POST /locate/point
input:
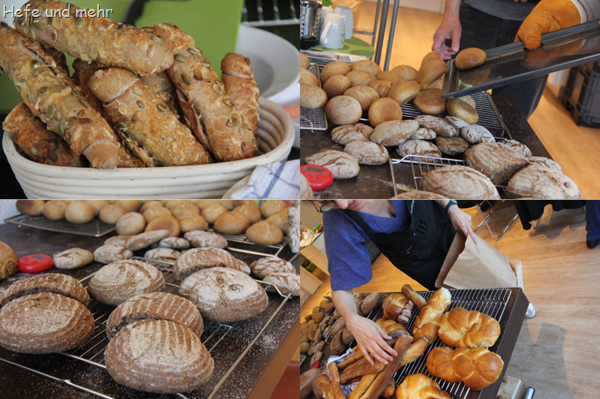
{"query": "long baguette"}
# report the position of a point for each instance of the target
(351, 358)
(162, 85)
(336, 386)
(144, 117)
(363, 385)
(238, 79)
(215, 120)
(58, 102)
(103, 40)
(360, 368)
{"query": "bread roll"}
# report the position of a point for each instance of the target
(470, 58)
(363, 94)
(97, 205)
(190, 221)
(8, 261)
(109, 253)
(162, 254)
(343, 110)
(264, 233)
(143, 240)
(176, 242)
(456, 122)
(347, 133)
(360, 78)
(120, 241)
(419, 385)
(280, 219)
(201, 258)
(459, 182)
(430, 71)
(152, 213)
(304, 61)
(367, 66)
(55, 209)
(271, 207)
(308, 78)
(430, 102)
(79, 212)
(312, 97)
(438, 125)
(131, 205)
(336, 85)
(111, 213)
(250, 211)
(452, 145)
(384, 110)
(341, 164)
(202, 239)
(382, 87)
(232, 223)
(165, 222)
(404, 92)
(432, 55)
(541, 182)
(496, 161)
(130, 224)
(72, 258)
(394, 132)
(180, 208)
(334, 68)
(475, 133)
(147, 205)
(462, 110)
(399, 73)
(420, 148)
(368, 153)
(31, 207)
(424, 133)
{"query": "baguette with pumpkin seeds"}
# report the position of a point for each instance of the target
(98, 39)
(58, 102)
(162, 85)
(40, 144)
(140, 114)
(215, 120)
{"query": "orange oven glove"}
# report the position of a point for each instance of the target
(547, 16)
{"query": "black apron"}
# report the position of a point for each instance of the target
(420, 250)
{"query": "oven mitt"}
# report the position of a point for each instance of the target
(548, 16)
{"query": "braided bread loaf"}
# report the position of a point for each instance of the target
(477, 368)
(417, 386)
(468, 329)
(397, 307)
(428, 321)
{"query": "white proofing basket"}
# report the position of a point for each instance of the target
(276, 136)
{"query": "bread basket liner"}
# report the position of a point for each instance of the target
(276, 132)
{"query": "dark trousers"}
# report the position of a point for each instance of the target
(592, 219)
(485, 32)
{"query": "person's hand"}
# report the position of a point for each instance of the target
(547, 16)
(370, 339)
(461, 222)
(449, 29)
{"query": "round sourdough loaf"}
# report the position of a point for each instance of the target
(496, 161)
(201, 258)
(271, 264)
(224, 295)
(72, 258)
(459, 182)
(44, 323)
(158, 356)
(118, 281)
(540, 182)
(157, 306)
(202, 239)
(288, 283)
(51, 282)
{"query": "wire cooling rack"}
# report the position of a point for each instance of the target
(95, 228)
(313, 119)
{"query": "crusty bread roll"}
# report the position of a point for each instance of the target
(336, 85)
(109, 253)
(130, 205)
(382, 87)
(367, 153)
(202, 239)
(31, 207)
(365, 95)
(143, 240)
(111, 213)
(496, 161)
(430, 71)
(403, 92)
(55, 209)
(250, 211)
(347, 133)
(72, 258)
(281, 220)
(165, 222)
(432, 55)
(190, 221)
(177, 243)
(341, 164)
(459, 182)
(162, 254)
(152, 213)
(398, 74)
(97, 205)
(393, 133)
(461, 110)
(264, 233)
(537, 181)
(476, 134)
(79, 212)
(430, 102)
(271, 207)
(8, 261)
(470, 58)
(308, 78)
(452, 145)
(146, 205)
(183, 207)
(189, 262)
(360, 78)
(304, 61)
(312, 97)
(343, 110)
(232, 223)
(424, 133)
(367, 66)
(334, 68)
(210, 213)
(384, 110)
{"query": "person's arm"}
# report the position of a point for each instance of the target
(368, 335)
(449, 29)
(460, 220)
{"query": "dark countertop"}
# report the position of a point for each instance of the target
(376, 181)
(254, 376)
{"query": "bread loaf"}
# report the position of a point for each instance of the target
(264, 233)
(212, 212)
(111, 253)
(540, 182)
(336, 85)
(347, 133)
(404, 92)
(162, 254)
(262, 267)
(476, 134)
(146, 239)
(159, 356)
(430, 71)
(334, 68)
(44, 323)
(517, 146)
(288, 283)
(383, 110)
(232, 223)
(119, 241)
(223, 295)
(420, 386)
(157, 306)
(343, 110)
(424, 133)
(438, 125)
(367, 66)
(164, 88)
(432, 55)
(496, 161)
(281, 220)
(452, 145)
(382, 87)
(131, 223)
(470, 58)
(360, 78)
(176, 243)
(427, 323)
(251, 211)
(459, 182)
(118, 281)
(368, 153)
(462, 110)
(306, 381)
(420, 148)
(430, 102)
(201, 258)
(238, 79)
(52, 282)
(8, 261)
(365, 95)
(306, 192)
(201, 239)
(190, 221)
(456, 122)
(477, 368)
(111, 213)
(399, 73)
(72, 258)
(341, 164)
(394, 132)
(545, 162)
(468, 329)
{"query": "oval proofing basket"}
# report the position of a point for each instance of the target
(276, 136)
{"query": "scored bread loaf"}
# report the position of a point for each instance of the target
(262, 267)
(162, 85)
(197, 259)
(162, 254)
(545, 162)
(157, 306)
(394, 132)
(72, 258)
(438, 125)
(59, 103)
(44, 323)
(238, 79)
(118, 281)
(367, 153)
(224, 295)
(342, 165)
(420, 386)
(215, 120)
(419, 148)
(541, 182)
(496, 161)
(347, 133)
(460, 182)
(142, 116)
(111, 253)
(40, 144)
(288, 283)
(159, 356)
(452, 145)
(146, 239)
(517, 146)
(177, 243)
(477, 368)
(468, 329)
(52, 282)
(202, 239)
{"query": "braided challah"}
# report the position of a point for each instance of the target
(476, 368)
(468, 329)
(428, 321)
(419, 386)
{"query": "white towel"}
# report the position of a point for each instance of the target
(279, 180)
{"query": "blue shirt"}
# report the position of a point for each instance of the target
(347, 255)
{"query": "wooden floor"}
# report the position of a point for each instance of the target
(558, 351)
(575, 148)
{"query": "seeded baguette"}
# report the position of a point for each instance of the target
(139, 113)
(162, 85)
(238, 79)
(38, 143)
(103, 40)
(215, 120)
(58, 102)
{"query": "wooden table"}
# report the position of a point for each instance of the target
(255, 376)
